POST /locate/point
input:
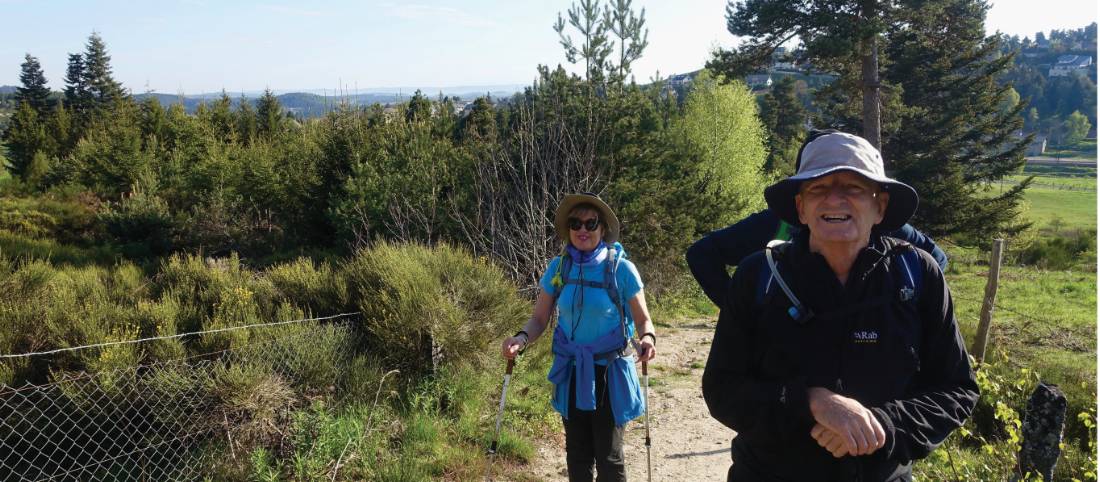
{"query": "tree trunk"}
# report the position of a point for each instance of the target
(872, 124)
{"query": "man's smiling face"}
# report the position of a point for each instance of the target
(841, 207)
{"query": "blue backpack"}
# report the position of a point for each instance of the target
(610, 283)
(904, 258)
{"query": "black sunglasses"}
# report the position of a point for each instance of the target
(589, 225)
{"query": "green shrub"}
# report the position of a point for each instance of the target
(425, 305)
(141, 222)
(314, 287)
(1065, 251)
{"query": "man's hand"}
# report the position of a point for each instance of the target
(854, 428)
(829, 440)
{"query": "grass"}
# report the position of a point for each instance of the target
(1082, 150)
(1060, 194)
(1044, 329)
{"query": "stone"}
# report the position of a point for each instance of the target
(1042, 431)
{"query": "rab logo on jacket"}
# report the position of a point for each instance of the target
(865, 336)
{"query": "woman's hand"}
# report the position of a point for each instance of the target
(512, 345)
(646, 350)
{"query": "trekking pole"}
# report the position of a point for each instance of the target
(500, 415)
(648, 444)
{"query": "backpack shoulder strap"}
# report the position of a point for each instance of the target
(797, 311)
(611, 283)
(907, 270)
(565, 263)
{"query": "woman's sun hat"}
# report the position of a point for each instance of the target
(607, 216)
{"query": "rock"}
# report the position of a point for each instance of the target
(1042, 431)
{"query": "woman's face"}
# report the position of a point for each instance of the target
(579, 235)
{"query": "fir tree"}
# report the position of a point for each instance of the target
(34, 90)
(61, 129)
(24, 137)
(784, 116)
(102, 88)
(269, 113)
(76, 88)
(221, 118)
(247, 123)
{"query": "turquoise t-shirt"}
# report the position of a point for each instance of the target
(586, 313)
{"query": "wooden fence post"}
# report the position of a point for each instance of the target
(987, 304)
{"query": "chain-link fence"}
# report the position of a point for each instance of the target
(176, 419)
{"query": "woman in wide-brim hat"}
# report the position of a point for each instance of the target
(603, 330)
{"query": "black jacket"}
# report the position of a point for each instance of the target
(726, 247)
(904, 360)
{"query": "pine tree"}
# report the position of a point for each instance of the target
(784, 116)
(628, 29)
(480, 123)
(102, 88)
(269, 113)
(953, 137)
(595, 47)
(34, 90)
(419, 108)
(834, 35)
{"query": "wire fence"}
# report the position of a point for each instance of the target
(172, 419)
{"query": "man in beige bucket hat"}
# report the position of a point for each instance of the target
(837, 355)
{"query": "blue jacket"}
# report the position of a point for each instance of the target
(709, 257)
(578, 360)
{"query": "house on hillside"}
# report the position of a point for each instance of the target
(758, 81)
(679, 81)
(1069, 64)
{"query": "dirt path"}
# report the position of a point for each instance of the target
(687, 443)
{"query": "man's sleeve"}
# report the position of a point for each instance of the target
(734, 397)
(945, 387)
(710, 257)
(922, 241)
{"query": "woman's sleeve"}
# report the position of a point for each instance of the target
(630, 281)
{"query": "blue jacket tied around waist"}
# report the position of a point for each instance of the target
(578, 360)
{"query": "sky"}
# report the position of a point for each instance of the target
(198, 46)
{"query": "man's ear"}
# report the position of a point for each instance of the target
(883, 200)
(798, 207)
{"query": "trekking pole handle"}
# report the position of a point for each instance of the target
(511, 363)
(645, 369)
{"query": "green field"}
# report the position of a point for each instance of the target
(1044, 329)
(1060, 194)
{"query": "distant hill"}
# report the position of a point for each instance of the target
(7, 89)
(310, 104)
